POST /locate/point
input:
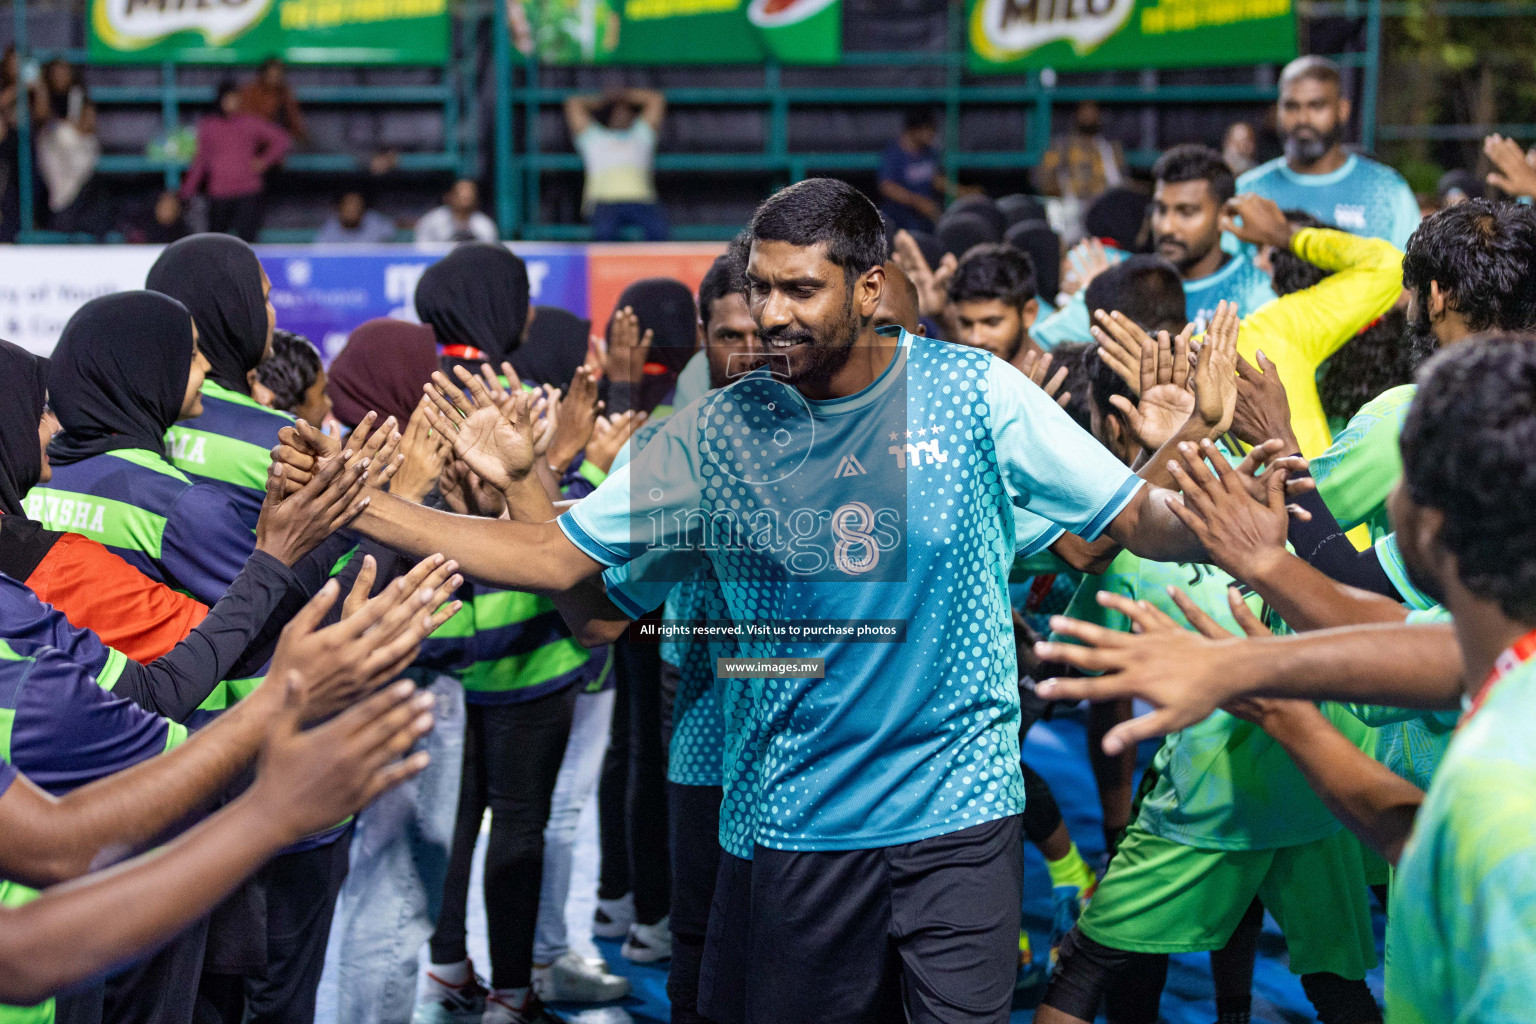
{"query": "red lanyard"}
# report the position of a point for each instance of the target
(1517, 654)
(466, 352)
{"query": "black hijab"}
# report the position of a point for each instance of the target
(665, 307)
(556, 346)
(477, 295)
(218, 279)
(21, 461)
(119, 374)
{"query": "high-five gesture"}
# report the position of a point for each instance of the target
(498, 446)
(1214, 384)
(1243, 537)
(292, 525)
(1159, 376)
(627, 347)
(932, 283)
(577, 419)
(1036, 365)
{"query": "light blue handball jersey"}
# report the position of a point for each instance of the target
(1362, 196)
(894, 504)
(1238, 280)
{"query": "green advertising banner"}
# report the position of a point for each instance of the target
(682, 31)
(249, 31)
(1071, 35)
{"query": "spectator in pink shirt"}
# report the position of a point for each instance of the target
(234, 150)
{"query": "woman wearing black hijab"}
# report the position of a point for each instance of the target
(476, 300)
(221, 282)
(665, 307)
(126, 367)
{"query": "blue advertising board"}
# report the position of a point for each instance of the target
(323, 294)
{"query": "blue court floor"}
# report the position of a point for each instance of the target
(1055, 749)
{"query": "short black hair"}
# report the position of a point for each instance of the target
(1144, 288)
(825, 211)
(1289, 272)
(1194, 162)
(1482, 253)
(918, 117)
(1074, 356)
(224, 88)
(1384, 355)
(1319, 69)
(1467, 447)
(290, 370)
(994, 270)
(721, 279)
(1104, 383)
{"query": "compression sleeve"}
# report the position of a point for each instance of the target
(175, 685)
(1322, 544)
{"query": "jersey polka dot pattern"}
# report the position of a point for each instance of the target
(951, 761)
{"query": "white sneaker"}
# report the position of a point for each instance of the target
(444, 1003)
(572, 979)
(648, 943)
(612, 918)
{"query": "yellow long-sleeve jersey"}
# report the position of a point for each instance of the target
(1300, 330)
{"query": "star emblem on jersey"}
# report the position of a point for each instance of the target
(849, 466)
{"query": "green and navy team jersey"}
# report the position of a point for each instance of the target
(507, 647)
(61, 729)
(1362, 197)
(1222, 784)
(1238, 280)
(26, 619)
(1411, 742)
(188, 536)
(1461, 932)
(1358, 471)
(893, 505)
(229, 446)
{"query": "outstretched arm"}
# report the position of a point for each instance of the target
(1186, 677)
(307, 780)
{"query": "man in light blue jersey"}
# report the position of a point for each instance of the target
(1317, 174)
(857, 500)
(1193, 184)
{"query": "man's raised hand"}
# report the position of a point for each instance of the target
(1036, 365)
(1243, 537)
(499, 447)
(1185, 676)
(291, 525)
(308, 780)
(374, 643)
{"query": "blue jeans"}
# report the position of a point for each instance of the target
(576, 784)
(393, 892)
(610, 219)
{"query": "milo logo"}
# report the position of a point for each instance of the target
(134, 24)
(1005, 30)
(774, 13)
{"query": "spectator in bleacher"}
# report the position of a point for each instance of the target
(615, 133)
(271, 98)
(1082, 164)
(355, 221)
(67, 149)
(1240, 146)
(234, 150)
(160, 224)
(459, 218)
(911, 187)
